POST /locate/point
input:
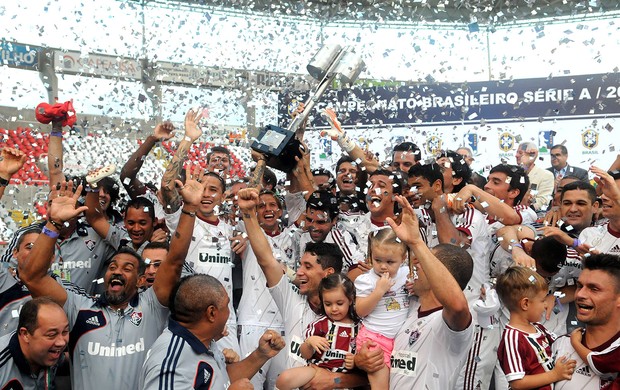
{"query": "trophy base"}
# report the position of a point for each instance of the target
(279, 146)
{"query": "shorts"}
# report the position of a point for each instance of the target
(385, 343)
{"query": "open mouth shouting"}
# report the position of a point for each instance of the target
(117, 283)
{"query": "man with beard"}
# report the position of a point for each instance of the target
(111, 334)
(30, 356)
(598, 306)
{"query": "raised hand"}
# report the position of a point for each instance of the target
(270, 343)
(607, 183)
(192, 130)
(12, 160)
(62, 201)
(408, 230)
(247, 200)
(193, 188)
(163, 131)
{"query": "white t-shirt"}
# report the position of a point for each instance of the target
(392, 309)
(297, 315)
(602, 238)
(427, 353)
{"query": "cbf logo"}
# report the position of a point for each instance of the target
(433, 144)
(589, 139)
(506, 142)
(292, 106)
(545, 139)
(471, 141)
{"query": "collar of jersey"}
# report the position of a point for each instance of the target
(18, 355)
(197, 345)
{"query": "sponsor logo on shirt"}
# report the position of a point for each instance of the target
(93, 321)
(615, 249)
(334, 354)
(207, 258)
(71, 265)
(404, 363)
(96, 349)
(585, 371)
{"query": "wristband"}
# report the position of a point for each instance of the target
(55, 224)
(56, 134)
(576, 243)
(4, 182)
(517, 246)
(190, 213)
(346, 143)
(50, 233)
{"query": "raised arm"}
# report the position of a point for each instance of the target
(456, 312)
(447, 233)
(170, 195)
(510, 237)
(269, 345)
(336, 133)
(55, 155)
(33, 272)
(129, 173)
(485, 203)
(95, 215)
(248, 200)
(12, 160)
(169, 271)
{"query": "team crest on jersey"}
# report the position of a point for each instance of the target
(136, 318)
(292, 106)
(289, 252)
(506, 141)
(433, 144)
(90, 244)
(413, 337)
(589, 139)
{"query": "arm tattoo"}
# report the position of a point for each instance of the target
(257, 178)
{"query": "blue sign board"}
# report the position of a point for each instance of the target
(19, 56)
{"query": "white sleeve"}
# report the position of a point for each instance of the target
(364, 285)
(295, 205)
(172, 220)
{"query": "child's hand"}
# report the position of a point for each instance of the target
(564, 368)
(349, 361)
(318, 343)
(385, 283)
(576, 336)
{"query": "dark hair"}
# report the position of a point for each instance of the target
(142, 203)
(22, 237)
(193, 295)
(111, 188)
(518, 179)
(399, 179)
(333, 281)
(29, 313)
(460, 168)
(605, 262)
(217, 149)
(324, 172)
(328, 255)
(561, 147)
(127, 250)
(580, 185)
(323, 201)
(430, 172)
(457, 260)
(269, 178)
(344, 159)
(549, 253)
(275, 196)
(219, 178)
(408, 147)
(157, 245)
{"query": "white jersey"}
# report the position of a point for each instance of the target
(392, 308)
(427, 353)
(210, 252)
(527, 215)
(602, 238)
(584, 378)
(352, 255)
(297, 315)
(360, 225)
(256, 306)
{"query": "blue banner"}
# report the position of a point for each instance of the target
(19, 56)
(505, 100)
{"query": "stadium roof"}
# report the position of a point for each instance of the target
(412, 11)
